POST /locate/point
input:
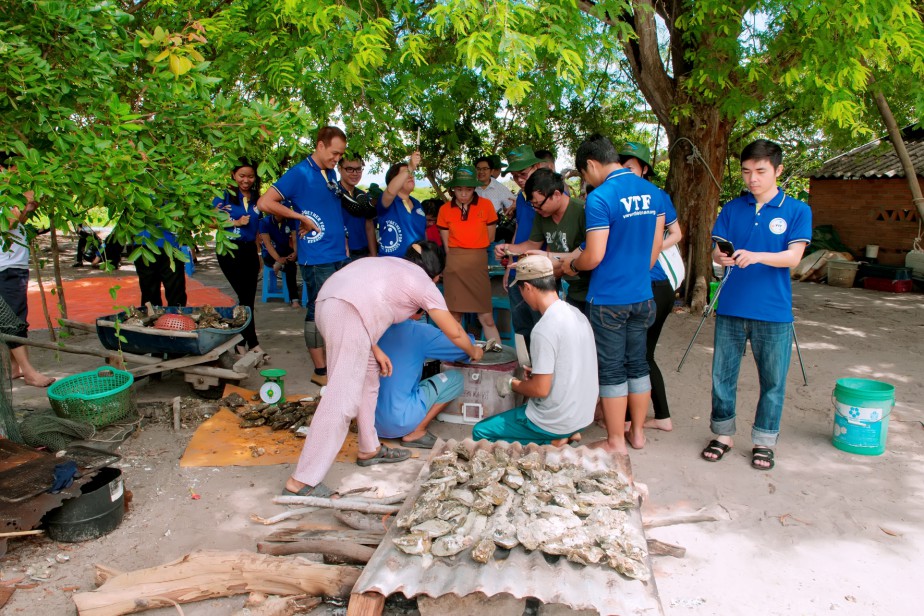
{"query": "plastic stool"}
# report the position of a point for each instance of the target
(271, 286)
(503, 303)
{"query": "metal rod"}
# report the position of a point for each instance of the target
(799, 353)
(706, 312)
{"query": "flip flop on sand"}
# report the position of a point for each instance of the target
(427, 441)
(320, 490)
(716, 448)
(762, 454)
(385, 455)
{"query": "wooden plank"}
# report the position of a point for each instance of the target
(356, 536)
(152, 331)
(347, 551)
(366, 604)
(189, 360)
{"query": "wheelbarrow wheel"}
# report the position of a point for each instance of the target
(214, 392)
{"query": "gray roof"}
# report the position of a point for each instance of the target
(876, 159)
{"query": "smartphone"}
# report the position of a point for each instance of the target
(727, 248)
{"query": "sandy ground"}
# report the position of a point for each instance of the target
(825, 531)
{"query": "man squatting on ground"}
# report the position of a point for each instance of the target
(309, 193)
(769, 231)
(625, 224)
(406, 405)
(562, 384)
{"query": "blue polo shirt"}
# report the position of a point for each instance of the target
(524, 215)
(670, 217)
(306, 189)
(247, 233)
(163, 237)
(760, 292)
(278, 233)
(628, 207)
(398, 228)
(408, 344)
(356, 227)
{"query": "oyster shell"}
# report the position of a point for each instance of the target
(513, 477)
(495, 493)
(463, 495)
(413, 543)
(450, 545)
(433, 528)
(483, 550)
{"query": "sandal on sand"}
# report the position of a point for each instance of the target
(716, 448)
(427, 441)
(320, 490)
(385, 455)
(762, 454)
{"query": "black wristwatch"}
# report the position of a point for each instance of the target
(573, 266)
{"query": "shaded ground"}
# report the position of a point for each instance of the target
(824, 531)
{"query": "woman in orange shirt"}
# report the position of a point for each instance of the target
(467, 224)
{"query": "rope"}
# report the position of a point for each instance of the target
(692, 158)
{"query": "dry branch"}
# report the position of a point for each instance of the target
(209, 574)
(335, 503)
(346, 550)
(355, 536)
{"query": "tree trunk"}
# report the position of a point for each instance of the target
(56, 261)
(901, 151)
(436, 186)
(38, 279)
(698, 147)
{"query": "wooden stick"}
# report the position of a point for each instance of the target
(366, 604)
(347, 550)
(177, 404)
(21, 533)
(41, 286)
(292, 513)
(361, 521)
(337, 503)
(209, 574)
(59, 346)
(660, 548)
(361, 537)
(693, 518)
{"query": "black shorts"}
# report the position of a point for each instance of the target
(14, 289)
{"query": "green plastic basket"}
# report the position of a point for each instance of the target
(98, 397)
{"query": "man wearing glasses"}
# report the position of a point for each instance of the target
(309, 193)
(559, 225)
(492, 190)
(360, 230)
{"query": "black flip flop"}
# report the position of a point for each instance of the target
(385, 455)
(762, 454)
(717, 448)
(427, 441)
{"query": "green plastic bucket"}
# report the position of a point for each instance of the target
(861, 415)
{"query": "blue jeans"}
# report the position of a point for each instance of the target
(620, 332)
(771, 344)
(314, 277)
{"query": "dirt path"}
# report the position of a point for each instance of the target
(826, 531)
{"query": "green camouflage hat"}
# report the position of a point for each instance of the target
(639, 151)
(495, 161)
(520, 158)
(464, 176)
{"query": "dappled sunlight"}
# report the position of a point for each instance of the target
(870, 372)
(819, 346)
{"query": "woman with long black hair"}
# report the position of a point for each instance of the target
(241, 266)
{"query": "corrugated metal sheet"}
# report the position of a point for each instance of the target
(522, 574)
(876, 159)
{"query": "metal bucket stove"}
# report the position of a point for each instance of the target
(479, 397)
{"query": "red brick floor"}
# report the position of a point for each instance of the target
(90, 298)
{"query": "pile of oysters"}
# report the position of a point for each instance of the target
(485, 500)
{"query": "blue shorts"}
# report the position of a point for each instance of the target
(441, 388)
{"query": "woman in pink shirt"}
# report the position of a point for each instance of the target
(354, 308)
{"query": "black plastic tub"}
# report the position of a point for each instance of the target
(96, 512)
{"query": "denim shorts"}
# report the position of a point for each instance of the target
(621, 333)
(314, 277)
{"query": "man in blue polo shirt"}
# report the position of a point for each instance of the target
(625, 224)
(360, 229)
(406, 405)
(312, 190)
(769, 231)
(401, 217)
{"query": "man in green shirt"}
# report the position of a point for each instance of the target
(558, 227)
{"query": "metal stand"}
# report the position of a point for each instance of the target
(709, 309)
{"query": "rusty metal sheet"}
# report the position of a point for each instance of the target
(522, 574)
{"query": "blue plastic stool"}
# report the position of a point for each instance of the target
(503, 303)
(189, 266)
(271, 286)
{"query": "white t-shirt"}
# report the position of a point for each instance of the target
(562, 344)
(17, 254)
(498, 194)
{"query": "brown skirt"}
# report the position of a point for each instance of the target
(466, 284)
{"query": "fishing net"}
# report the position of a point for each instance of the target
(45, 429)
(11, 325)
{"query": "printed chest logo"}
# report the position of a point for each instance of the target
(777, 226)
(313, 236)
(420, 212)
(637, 205)
(390, 236)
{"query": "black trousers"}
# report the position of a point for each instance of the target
(14, 289)
(664, 301)
(290, 268)
(151, 276)
(242, 268)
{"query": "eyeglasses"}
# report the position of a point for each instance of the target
(538, 206)
(352, 169)
(482, 168)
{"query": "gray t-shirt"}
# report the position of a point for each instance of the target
(562, 344)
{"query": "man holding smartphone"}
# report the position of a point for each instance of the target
(766, 233)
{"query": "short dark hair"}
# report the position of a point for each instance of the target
(763, 149)
(546, 155)
(351, 156)
(393, 171)
(546, 283)
(431, 207)
(597, 148)
(483, 159)
(326, 134)
(545, 182)
(431, 257)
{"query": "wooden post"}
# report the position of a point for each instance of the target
(177, 404)
(366, 604)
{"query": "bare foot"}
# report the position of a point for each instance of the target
(16, 375)
(559, 442)
(38, 380)
(660, 424)
(606, 445)
(636, 439)
(575, 438)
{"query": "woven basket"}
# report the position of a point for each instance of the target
(99, 397)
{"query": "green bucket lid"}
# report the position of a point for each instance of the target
(273, 373)
(865, 388)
